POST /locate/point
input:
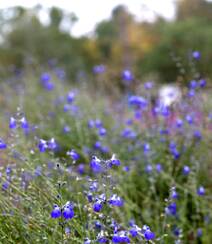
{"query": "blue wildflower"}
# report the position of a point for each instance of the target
(70, 97)
(196, 55)
(148, 85)
(148, 168)
(97, 206)
(95, 165)
(120, 237)
(42, 145)
(68, 212)
(98, 69)
(137, 101)
(179, 123)
(199, 232)
(66, 129)
(193, 84)
(201, 191)
(115, 161)
(171, 209)
(98, 123)
(45, 77)
(102, 131)
(149, 235)
(52, 145)
(73, 154)
(116, 201)
(202, 83)
(24, 123)
(127, 75)
(186, 170)
(56, 212)
(12, 123)
(3, 145)
(159, 168)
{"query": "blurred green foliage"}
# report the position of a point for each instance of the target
(157, 49)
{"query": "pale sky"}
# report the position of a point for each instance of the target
(90, 12)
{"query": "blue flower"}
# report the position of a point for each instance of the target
(81, 169)
(70, 97)
(199, 232)
(73, 154)
(179, 123)
(8, 170)
(134, 230)
(174, 194)
(98, 69)
(87, 241)
(128, 133)
(146, 147)
(52, 145)
(56, 212)
(148, 85)
(42, 145)
(102, 131)
(97, 206)
(67, 230)
(171, 209)
(201, 191)
(102, 239)
(5, 185)
(120, 237)
(127, 75)
(93, 186)
(12, 123)
(191, 93)
(45, 81)
(186, 170)
(116, 201)
(45, 77)
(196, 55)
(98, 225)
(24, 123)
(197, 135)
(159, 168)
(148, 168)
(38, 171)
(149, 235)
(137, 101)
(3, 145)
(115, 161)
(95, 165)
(90, 196)
(68, 212)
(98, 123)
(176, 231)
(202, 83)
(193, 84)
(91, 123)
(66, 129)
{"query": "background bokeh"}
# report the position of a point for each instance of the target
(152, 48)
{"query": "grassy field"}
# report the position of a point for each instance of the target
(80, 166)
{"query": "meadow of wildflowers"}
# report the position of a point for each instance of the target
(78, 166)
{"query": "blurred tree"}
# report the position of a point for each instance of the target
(56, 16)
(161, 48)
(194, 9)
